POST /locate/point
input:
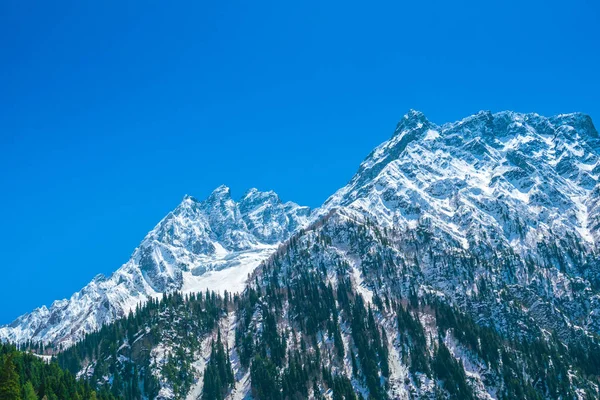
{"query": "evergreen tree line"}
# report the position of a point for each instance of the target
(24, 376)
(121, 350)
(285, 367)
(218, 375)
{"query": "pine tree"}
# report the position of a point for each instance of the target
(264, 378)
(218, 375)
(29, 392)
(9, 380)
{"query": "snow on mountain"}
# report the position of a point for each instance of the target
(345, 252)
(212, 244)
(517, 178)
(514, 193)
(456, 237)
(485, 184)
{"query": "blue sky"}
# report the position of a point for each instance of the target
(110, 113)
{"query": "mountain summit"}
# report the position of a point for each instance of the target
(517, 177)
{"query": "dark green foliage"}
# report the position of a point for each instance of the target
(121, 349)
(294, 379)
(451, 373)
(9, 380)
(265, 381)
(29, 392)
(28, 377)
(312, 302)
(483, 341)
(244, 340)
(531, 369)
(414, 344)
(342, 388)
(367, 340)
(218, 375)
(272, 342)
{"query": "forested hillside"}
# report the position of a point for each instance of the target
(320, 325)
(26, 376)
(153, 349)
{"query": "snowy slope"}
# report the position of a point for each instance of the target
(517, 178)
(211, 244)
(346, 250)
(516, 194)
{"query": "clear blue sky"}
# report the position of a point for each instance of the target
(110, 113)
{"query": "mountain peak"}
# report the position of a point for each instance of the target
(254, 195)
(188, 199)
(217, 235)
(222, 190)
(528, 161)
(412, 113)
(220, 194)
(413, 119)
(187, 205)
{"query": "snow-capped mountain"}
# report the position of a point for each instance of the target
(460, 261)
(516, 177)
(518, 192)
(213, 244)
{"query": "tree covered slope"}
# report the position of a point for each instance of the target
(29, 377)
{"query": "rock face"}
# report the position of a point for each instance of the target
(516, 177)
(212, 244)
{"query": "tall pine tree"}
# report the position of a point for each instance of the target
(9, 380)
(29, 392)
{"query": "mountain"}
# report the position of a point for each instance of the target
(213, 243)
(517, 193)
(340, 311)
(515, 176)
(459, 262)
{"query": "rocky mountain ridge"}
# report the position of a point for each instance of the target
(213, 243)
